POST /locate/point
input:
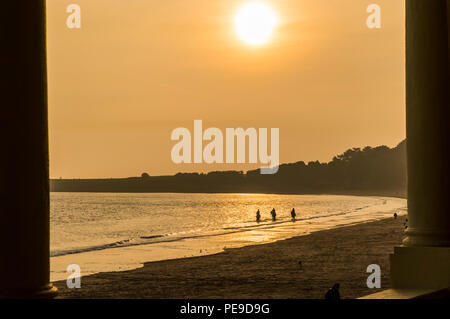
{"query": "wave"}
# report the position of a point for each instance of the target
(269, 222)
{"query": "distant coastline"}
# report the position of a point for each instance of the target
(379, 171)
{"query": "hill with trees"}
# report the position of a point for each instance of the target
(366, 171)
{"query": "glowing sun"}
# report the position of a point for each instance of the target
(255, 22)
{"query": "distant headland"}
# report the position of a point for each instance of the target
(363, 171)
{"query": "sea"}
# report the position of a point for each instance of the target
(102, 232)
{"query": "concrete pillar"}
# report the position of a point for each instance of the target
(24, 186)
(424, 259)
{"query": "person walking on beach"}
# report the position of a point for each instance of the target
(395, 215)
(293, 214)
(274, 214)
(333, 293)
(258, 216)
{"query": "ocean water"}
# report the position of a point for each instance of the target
(118, 231)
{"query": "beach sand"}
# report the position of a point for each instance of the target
(261, 271)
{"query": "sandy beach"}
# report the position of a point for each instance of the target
(261, 271)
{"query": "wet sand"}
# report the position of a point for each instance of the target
(261, 271)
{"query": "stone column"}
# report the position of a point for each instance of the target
(24, 185)
(424, 259)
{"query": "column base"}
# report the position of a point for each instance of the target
(420, 268)
(426, 238)
(46, 292)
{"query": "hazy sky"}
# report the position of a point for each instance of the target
(138, 69)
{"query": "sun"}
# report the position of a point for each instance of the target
(255, 22)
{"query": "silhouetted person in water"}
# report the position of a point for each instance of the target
(333, 293)
(274, 214)
(293, 214)
(258, 216)
(395, 215)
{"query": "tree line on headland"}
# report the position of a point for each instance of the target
(366, 171)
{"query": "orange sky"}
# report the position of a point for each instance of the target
(138, 69)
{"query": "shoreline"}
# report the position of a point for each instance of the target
(394, 194)
(269, 270)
